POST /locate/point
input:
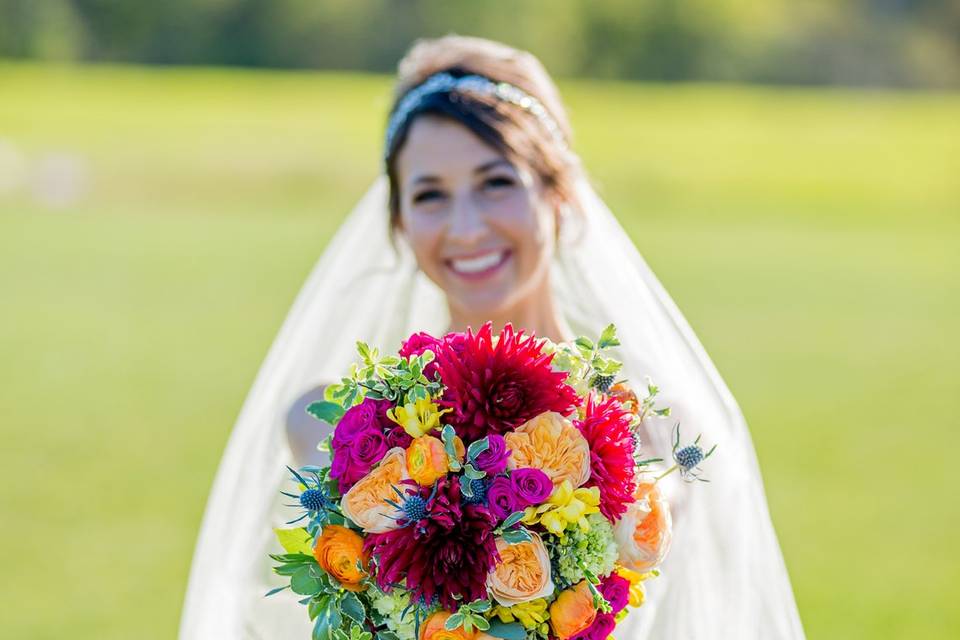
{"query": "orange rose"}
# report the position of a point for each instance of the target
(434, 629)
(552, 444)
(643, 533)
(337, 551)
(523, 573)
(365, 503)
(427, 459)
(572, 611)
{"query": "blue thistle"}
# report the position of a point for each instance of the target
(602, 383)
(479, 489)
(414, 508)
(313, 500)
(689, 457)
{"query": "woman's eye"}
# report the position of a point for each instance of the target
(427, 196)
(497, 182)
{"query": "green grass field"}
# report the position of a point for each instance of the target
(810, 236)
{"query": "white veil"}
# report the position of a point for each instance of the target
(724, 576)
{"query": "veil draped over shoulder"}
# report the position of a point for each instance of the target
(724, 576)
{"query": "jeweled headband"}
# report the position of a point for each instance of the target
(446, 83)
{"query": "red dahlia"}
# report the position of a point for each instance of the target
(606, 426)
(495, 384)
(443, 550)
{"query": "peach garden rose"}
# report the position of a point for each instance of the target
(523, 573)
(365, 503)
(643, 534)
(553, 444)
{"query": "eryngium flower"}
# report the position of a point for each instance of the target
(446, 555)
(494, 384)
(606, 427)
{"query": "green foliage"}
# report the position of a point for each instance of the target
(400, 380)
(507, 630)
(470, 617)
(295, 541)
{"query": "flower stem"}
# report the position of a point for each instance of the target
(666, 473)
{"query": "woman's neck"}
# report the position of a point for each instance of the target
(537, 314)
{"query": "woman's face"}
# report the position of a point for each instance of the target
(479, 225)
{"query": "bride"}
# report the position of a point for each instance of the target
(485, 214)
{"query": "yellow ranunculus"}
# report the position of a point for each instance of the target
(565, 507)
(417, 418)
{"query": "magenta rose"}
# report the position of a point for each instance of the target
(368, 448)
(493, 459)
(616, 590)
(397, 437)
(500, 498)
(600, 629)
(416, 344)
(356, 420)
(530, 486)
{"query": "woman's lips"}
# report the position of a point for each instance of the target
(479, 266)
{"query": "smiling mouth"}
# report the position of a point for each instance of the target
(479, 266)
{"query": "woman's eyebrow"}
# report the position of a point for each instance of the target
(492, 165)
(486, 166)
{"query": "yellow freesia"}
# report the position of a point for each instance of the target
(418, 418)
(565, 507)
(532, 614)
(637, 592)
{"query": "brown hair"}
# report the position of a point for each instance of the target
(514, 132)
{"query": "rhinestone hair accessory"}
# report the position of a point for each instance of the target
(446, 83)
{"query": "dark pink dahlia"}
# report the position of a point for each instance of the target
(606, 426)
(443, 550)
(495, 384)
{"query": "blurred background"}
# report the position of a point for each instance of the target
(169, 172)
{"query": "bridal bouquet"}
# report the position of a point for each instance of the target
(480, 486)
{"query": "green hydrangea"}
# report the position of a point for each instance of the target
(391, 607)
(594, 550)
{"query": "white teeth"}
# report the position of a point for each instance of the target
(478, 264)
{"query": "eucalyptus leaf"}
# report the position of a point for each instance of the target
(507, 630)
(353, 608)
(478, 447)
(512, 519)
(466, 487)
(453, 622)
(471, 472)
(277, 590)
(329, 412)
(304, 582)
(516, 536)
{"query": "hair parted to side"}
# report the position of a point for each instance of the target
(510, 129)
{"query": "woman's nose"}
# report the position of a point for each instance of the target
(467, 224)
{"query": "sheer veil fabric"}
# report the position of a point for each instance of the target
(724, 577)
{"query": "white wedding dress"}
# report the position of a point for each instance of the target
(724, 577)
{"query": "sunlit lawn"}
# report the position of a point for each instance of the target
(810, 236)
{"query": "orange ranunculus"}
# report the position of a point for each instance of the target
(643, 533)
(337, 551)
(434, 629)
(427, 459)
(626, 396)
(365, 503)
(523, 573)
(552, 444)
(572, 611)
